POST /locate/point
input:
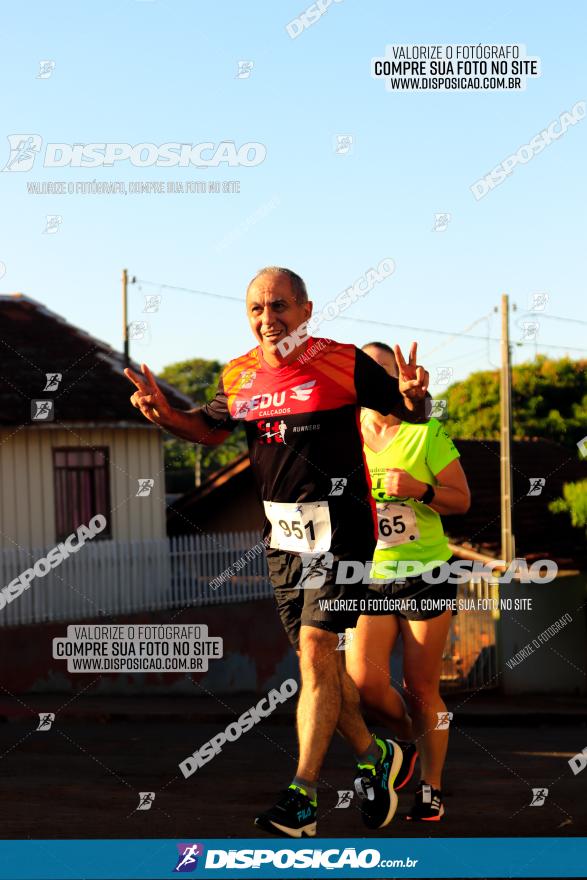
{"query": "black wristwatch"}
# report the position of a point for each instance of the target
(428, 495)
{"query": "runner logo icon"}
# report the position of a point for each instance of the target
(338, 485)
(539, 796)
(537, 484)
(23, 151)
(188, 857)
(42, 410)
(314, 571)
(146, 799)
(53, 380)
(46, 719)
(344, 799)
(444, 719)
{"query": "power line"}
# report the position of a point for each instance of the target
(469, 354)
(394, 326)
(449, 333)
(452, 333)
(135, 280)
(539, 315)
(538, 344)
(465, 331)
(339, 317)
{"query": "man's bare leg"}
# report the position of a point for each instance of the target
(321, 701)
(319, 711)
(351, 724)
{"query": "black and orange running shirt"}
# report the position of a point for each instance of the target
(302, 422)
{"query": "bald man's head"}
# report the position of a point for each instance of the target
(297, 284)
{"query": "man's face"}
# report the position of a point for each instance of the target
(274, 314)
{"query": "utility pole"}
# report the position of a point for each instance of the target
(125, 317)
(505, 414)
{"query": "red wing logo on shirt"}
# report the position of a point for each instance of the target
(303, 392)
(271, 431)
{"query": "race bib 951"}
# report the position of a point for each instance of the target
(300, 527)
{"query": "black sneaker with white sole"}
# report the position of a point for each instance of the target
(374, 785)
(428, 805)
(294, 815)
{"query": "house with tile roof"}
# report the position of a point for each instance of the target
(72, 447)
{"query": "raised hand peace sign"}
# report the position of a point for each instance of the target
(149, 398)
(413, 379)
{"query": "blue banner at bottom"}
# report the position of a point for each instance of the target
(316, 857)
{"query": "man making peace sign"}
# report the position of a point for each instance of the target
(301, 417)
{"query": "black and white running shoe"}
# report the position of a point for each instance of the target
(294, 815)
(428, 805)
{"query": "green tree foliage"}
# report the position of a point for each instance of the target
(549, 399)
(198, 378)
(573, 502)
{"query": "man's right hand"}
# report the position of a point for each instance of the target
(149, 398)
(190, 425)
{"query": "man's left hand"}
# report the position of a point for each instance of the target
(413, 379)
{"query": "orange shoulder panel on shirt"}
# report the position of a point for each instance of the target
(235, 373)
(337, 364)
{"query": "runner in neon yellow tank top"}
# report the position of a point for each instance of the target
(416, 476)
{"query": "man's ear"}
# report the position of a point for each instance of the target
(308, 309)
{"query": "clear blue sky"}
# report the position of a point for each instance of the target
(136, 71)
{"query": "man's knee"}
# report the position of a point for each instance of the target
(317, 646)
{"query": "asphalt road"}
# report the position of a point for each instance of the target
(82, 779)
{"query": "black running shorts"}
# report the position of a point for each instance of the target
(412, 598)
(321, 602)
